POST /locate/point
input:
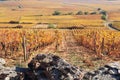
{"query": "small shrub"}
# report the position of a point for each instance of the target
(56, 13)
(79, 13)
(98, 9)
(18, 26)
(70, 13)
(26, 23)
(92, 13)
(13, 9)
(41, 15)
(19, 6)
(75, 27)
(103, 12)
(86, 13)
(51, 26)
(14, 22)
(103, 17)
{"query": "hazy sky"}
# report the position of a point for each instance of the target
(92, 1)
(81, 1)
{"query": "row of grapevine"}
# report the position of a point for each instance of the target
(11, 40)
(100, 41)
(65, 21)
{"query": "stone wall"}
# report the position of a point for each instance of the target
(52, 67)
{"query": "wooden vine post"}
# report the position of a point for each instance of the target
(56, 40)
(94, 42)
(24, 48)
(102, 45)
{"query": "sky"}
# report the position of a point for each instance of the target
(92, 1)
(79, 1)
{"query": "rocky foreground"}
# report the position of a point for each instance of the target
(51, 67)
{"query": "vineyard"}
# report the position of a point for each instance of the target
(102, 42)
(65, 21)
(69, 44)
(114, 16)
(61, 21)
(11, 41)
(59, 39)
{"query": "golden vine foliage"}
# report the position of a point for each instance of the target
(100, 41)
(11, 40)
(66, 21)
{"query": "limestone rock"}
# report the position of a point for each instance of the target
(53, 68)
(108, 72)
(2, 61)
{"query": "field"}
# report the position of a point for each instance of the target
(28, 28)
(114, 16)
(59, 21)
(97, 46)
(65, 21)
(116, 24)
(115, 19)
(29, 15)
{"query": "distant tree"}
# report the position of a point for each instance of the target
(51, 26)
(18, 26)
(70, 13)
(98, 9)
(13, 9)
(103, 12)
(86, 13)
(13, 22)
(65, 14)
(40, 15)
(103, 17)
(92, 13)
(56, 13)
(79, 13)
(19, 6)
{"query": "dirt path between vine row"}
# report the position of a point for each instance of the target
(72, 52)
(71, 44)
(68, 45)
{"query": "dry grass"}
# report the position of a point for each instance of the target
(117, 24)
(114, 16)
